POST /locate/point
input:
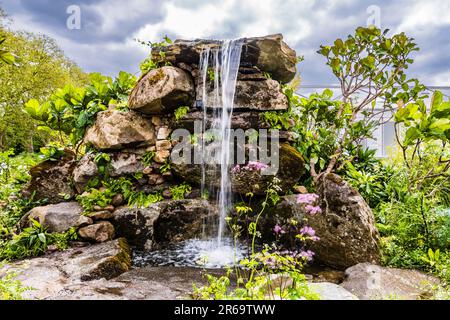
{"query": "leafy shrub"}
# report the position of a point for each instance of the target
(142, 200)
(165, 167)
(34, 241)
(103, 196)
(71, 110)
(149, 64)
(52, 153)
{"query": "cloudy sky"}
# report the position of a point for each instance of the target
(105, 42)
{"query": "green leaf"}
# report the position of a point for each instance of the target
(369, 62)
(7, 57)
(436, 100)
(412, 134)
(335, 64)
(440, 124)
(42, 237)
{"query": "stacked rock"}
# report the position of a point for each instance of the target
(266, 63)
(137, 143)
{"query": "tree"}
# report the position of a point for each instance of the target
(370, 67)
(39, 69)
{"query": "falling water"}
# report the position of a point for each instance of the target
(218, 68)
(224, 63)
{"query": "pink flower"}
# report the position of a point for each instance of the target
(278, 230)
(310, 232)
(312, 210)
(307, 254)
(307, 198)
(251, 166)
(307, 230)
(255, 165)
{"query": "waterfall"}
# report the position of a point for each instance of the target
(218, 71)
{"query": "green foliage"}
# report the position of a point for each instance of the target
(103, 196)
(262, 284)
(179, 191)
(103, 161)
(426, 134)
(143, 200)
(52, 153)
(10, 288)
(371, 184)
(165, 167)
(95, 197)
(211, 74)
(34, 241)
(71, 110)
(40, 68)
(6, 56)
(156, 56)
(13, 174)
(147, 158)
(181, 112)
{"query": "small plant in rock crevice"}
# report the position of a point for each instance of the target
(180, 112)
(154, 60)
(165, 167)
(180, 191)
(147, 158)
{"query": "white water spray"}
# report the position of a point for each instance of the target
(221, 66)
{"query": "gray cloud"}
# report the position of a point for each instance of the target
(105, 42)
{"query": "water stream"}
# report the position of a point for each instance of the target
(219, 69)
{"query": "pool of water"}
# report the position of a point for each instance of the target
(192, 253)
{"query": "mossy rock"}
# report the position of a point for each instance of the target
(291, 168)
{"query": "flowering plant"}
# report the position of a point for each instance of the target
(309, 199)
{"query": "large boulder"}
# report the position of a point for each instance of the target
(260, 95)
(57, 217)
(269, 53)
(162, 222)
(51, 180)
(162, 91)
(370, 282)
(265, 95)
(52, 274)
(331, 291)
(239, 120)
(346, 225)
(291, 168)
(114, 129)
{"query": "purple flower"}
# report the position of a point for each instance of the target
(255, 165)
(307, 198)
(278, 230)
(312, 210)
(307, 230)
(310, 232)
(308, 255)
